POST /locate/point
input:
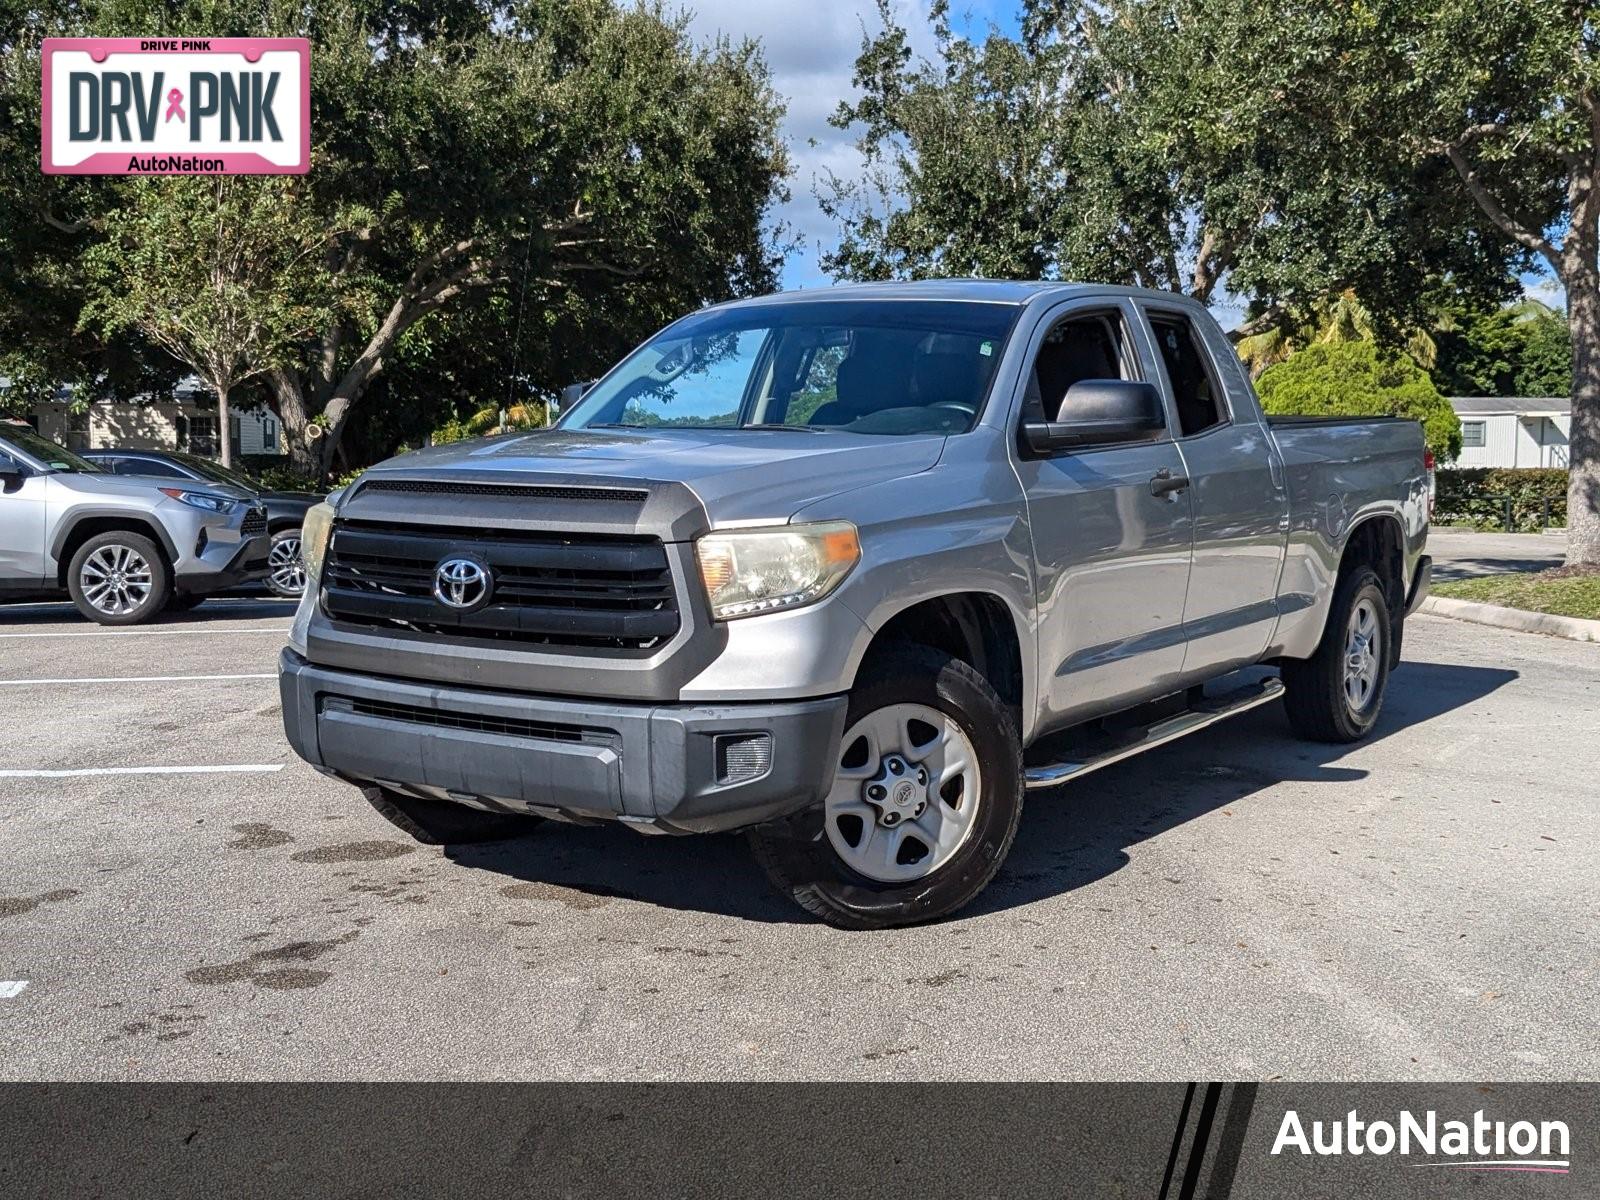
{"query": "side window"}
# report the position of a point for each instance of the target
(148, 466)
(1078, 348)
(1194, 389)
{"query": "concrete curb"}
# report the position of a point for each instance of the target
(1572, 628)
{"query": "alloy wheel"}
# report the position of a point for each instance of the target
(116, 579)
(285, 566)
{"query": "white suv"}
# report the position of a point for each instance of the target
(124, 547)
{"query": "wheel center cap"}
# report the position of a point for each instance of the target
(903, 794)
(897, 790)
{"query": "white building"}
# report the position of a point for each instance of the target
(187, 422)
(1513, 431)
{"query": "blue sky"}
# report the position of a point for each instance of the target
(811, 47)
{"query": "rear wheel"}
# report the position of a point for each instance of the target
(119, 578)
(1336, 694)
(286, 569)
(924, 804)
(441, 823)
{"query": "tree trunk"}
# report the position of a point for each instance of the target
(286, 389)
(1583, 486)
(224, 433)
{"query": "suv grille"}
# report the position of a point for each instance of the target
(254, 524)
(549, 588)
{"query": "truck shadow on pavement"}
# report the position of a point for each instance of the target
(1070, 837)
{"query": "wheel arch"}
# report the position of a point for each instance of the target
(88, 523)
(976, 627)
(1378, 541)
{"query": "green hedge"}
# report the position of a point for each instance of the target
(1477, 496)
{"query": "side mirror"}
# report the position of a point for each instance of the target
(1099, 412)
(11, 475)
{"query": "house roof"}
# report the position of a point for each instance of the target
(1519, 406)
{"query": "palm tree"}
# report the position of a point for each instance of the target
(1342, 318)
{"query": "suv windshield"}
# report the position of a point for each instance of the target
(866, 366)
(57, 458)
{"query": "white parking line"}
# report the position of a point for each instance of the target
(230, 769)
(185, 631)
(132, 679)
(10, 988)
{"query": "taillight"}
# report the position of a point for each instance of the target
(1427, 465)
(1427, 461)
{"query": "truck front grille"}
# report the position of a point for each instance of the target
(585, 590)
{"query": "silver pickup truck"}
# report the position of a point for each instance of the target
(854, 571)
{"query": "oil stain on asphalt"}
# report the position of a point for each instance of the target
(353, 852)
(15, 906)
(258, 835)
(261, 970)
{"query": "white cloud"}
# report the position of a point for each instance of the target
(811, 47)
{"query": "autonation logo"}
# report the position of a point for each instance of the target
(1480, 1144)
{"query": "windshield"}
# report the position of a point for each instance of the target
(57, 458)
(889, 367)
(215, 472)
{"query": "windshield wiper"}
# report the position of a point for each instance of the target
(780, 425)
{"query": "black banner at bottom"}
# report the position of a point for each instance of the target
(1154, 1141)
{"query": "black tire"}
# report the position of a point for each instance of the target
(185, 601)
(281, 586)
(441, 823)
(799, 858)
(156, 578)
(1315, 697)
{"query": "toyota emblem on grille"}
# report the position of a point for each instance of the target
(461, 583)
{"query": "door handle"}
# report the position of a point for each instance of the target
(1165, 483)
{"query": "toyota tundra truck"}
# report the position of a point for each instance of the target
(853, 571)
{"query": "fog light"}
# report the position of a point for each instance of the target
(742, 757)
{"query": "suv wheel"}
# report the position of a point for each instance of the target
(286, 569)
(924, 805)
(1336, 694)
(119, 578)
(441, 823)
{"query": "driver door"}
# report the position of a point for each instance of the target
(1111, 555)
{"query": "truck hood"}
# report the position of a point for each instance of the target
(142, 486)
(739, 474)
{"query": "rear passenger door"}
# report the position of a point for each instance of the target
(1111, 550)
(1241, 507)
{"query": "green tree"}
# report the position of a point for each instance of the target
(1523, 349)
(1358, 379)
(573, 166)
(223, 274)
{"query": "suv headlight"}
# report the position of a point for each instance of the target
(205, 500)
(314, 533)
(751, 571)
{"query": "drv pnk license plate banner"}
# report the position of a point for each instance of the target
(176, 106)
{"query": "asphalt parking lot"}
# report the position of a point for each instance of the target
(1237, 905)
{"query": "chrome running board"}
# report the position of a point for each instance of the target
(1209, 712)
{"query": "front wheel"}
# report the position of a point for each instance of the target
(924, 805)
(119, 578)
(1336, 694)
(286, 569)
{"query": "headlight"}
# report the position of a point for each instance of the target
(205, 500)
(314, 533)
(786, 566)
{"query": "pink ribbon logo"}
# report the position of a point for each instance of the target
(175, 106)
